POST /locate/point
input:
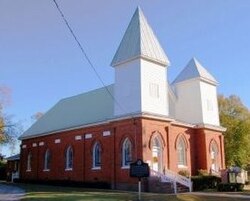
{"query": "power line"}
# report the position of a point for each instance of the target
(85, 54)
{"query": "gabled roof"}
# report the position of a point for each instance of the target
(139, 40)
(195, 70)
(13, 158)
(91, 107)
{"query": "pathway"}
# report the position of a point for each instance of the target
(10, 193)
(224, 194)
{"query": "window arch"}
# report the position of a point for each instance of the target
(181, 151)
(69, 158)
(29, 158)
(156, 142)
(47, 160)
(97, 155)
(126, 152)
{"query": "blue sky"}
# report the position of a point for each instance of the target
(42, 64)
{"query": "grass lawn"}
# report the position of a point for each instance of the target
(52, 193)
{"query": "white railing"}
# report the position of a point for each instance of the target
(15, 175)
(174, 178)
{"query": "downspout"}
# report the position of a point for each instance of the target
(168, 148)
(114, 155)
(84, 162)
(20, 162)
(136, 153)
(37, 167)
(221, 153)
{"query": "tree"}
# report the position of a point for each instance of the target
(8, 130)
(236, 118)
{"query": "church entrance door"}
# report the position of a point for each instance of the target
(157, 156)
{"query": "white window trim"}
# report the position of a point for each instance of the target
(184, 150)
(46, 170)
(96, 168)
(93, 157)
(46, 159)
(183, 166)
(67, 168)
(29, 168)
(125, 166)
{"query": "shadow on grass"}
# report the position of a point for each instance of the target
(55, 193)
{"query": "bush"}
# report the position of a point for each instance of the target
(230, 187)
(184, 173)
(205, 182)
(202, 172)
(2, 171)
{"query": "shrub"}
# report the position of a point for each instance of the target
(205, 182)
(2, 171)
(202, 172)
(230, 187)
(184, 173)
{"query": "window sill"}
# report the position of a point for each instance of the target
(96, 168)
(182, 166)
(68, 169)
(126, 167)
(46, 170)
(28, 170)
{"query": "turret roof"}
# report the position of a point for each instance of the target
(139, 40)
(195, 70)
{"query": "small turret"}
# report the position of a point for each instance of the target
(196, 93)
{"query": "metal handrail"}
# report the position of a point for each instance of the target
(174, 178)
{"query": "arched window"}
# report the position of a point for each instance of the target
(126, 153)
(47, 160)
(69, 158)
(181, 152)
(97, 155)
(214, 155)
(29, 158)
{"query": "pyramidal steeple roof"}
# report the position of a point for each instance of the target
(139, 40)
(195, 70)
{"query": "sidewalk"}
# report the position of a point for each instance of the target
(223, 194)
(10, 193)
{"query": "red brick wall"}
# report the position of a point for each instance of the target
(110, 171)
(204, 139)
(140, 131)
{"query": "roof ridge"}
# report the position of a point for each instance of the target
(87, 92)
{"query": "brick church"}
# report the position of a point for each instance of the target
(93, 137)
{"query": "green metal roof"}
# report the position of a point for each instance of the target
(91, 107)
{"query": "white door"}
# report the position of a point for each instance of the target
(157, 155)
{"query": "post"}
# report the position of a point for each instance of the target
(139, 189)
(175, 187)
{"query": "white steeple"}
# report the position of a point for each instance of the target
(139, 40)
(140, 71)
(196, 93)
